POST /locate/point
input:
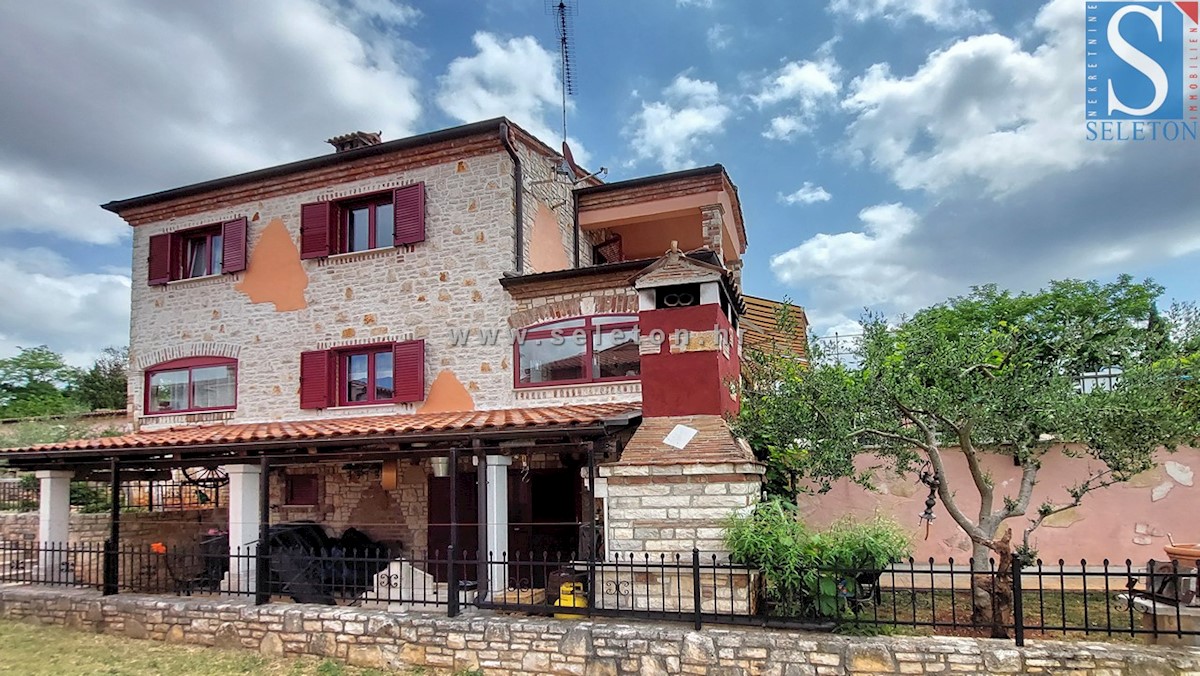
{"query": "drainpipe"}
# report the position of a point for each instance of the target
(575, 216)
(518, 200)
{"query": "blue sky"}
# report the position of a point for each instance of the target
(888, 153)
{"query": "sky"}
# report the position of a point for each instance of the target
(888, 153)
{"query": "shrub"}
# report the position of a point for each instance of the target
(822, 573)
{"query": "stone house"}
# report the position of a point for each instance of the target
(458, 338)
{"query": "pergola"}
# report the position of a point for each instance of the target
(247, 452)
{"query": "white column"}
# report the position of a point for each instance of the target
(244, 521)
(54, 522)
(497, 519)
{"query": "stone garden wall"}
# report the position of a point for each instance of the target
(521, 645)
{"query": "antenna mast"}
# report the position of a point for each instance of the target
(564, 12)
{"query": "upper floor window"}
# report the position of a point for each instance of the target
(198, 252)
(383, 373)
(579, 350)
(202, 253)
(377, 221)
(193, 384)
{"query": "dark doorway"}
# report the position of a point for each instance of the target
(439, 524)
(543, 513)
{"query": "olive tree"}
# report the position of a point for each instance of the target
(988, 372)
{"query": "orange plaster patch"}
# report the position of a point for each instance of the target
(447, 394)
(275, 274)
(546, 252)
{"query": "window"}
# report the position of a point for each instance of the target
(384, 373)
(201, 253)
(367, 225)
(377, 221)
(195, 384)
(197, 252)
(366, 377)
(301, 489)
(580, 350)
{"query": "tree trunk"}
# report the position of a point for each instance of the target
(992, 591)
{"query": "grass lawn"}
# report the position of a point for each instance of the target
(34, 649)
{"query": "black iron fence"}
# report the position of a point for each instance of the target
(1017, 601)
(18, 495)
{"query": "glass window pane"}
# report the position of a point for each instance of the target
(196, 264)
(356, 377)
(548, 360)
(217, 255)
(383, 376)
(384, 226)
(358, 229)
(168, 391)
(562, 324)
(213, 387)
(616, 353)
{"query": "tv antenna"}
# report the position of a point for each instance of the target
(564, 12)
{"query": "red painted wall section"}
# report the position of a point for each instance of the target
(700, 380)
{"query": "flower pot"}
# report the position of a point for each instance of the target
(1187, 554)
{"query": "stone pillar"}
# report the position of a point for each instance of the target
(713, 219)
(497, 519)
(54, 522)
(244, 520)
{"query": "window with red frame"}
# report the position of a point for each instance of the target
(197, 252)
(367, 224)
(579, 350)
(301, 489)
(194, 384)
(383, 373)
(378, 221)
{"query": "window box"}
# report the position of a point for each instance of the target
(198, 252)
(375, 221)
(600, 348)
(191, 385)
(363, 375)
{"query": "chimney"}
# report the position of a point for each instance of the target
(689, 343)
(355, 140)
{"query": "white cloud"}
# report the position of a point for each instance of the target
(672, 130)
(706, 4)
(515, 78)
(806, 85)
(718, 37)
(939, 13)
(807, 194)
(76, 314)
(983, 110)
(873, 266)
(131, 96)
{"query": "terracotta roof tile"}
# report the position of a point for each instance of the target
(714, 443)
(328, 428)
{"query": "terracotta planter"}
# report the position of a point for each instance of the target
(1187, 554)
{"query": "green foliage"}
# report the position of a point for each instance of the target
(808, 572)
(103, 386)
(89, 499)
(32, 382)
(989, 372)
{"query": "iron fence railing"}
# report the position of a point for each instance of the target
(94, 496)
(1018, 601)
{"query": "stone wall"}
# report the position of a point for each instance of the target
(178, 528)
(499, 644)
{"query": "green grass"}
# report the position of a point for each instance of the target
(33, 649)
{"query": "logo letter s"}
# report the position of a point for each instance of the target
(1136, 58)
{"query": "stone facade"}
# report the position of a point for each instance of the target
(182, 527)
(447, 283)
(659, 509)
(499, 644)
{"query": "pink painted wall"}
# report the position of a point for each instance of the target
(1129, 520)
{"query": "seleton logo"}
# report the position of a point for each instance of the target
(1143, 70)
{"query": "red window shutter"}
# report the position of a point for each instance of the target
(233, 245)
(315, 379)
(160, 260)
(408, 209)
(409, 370)
(316, 229)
